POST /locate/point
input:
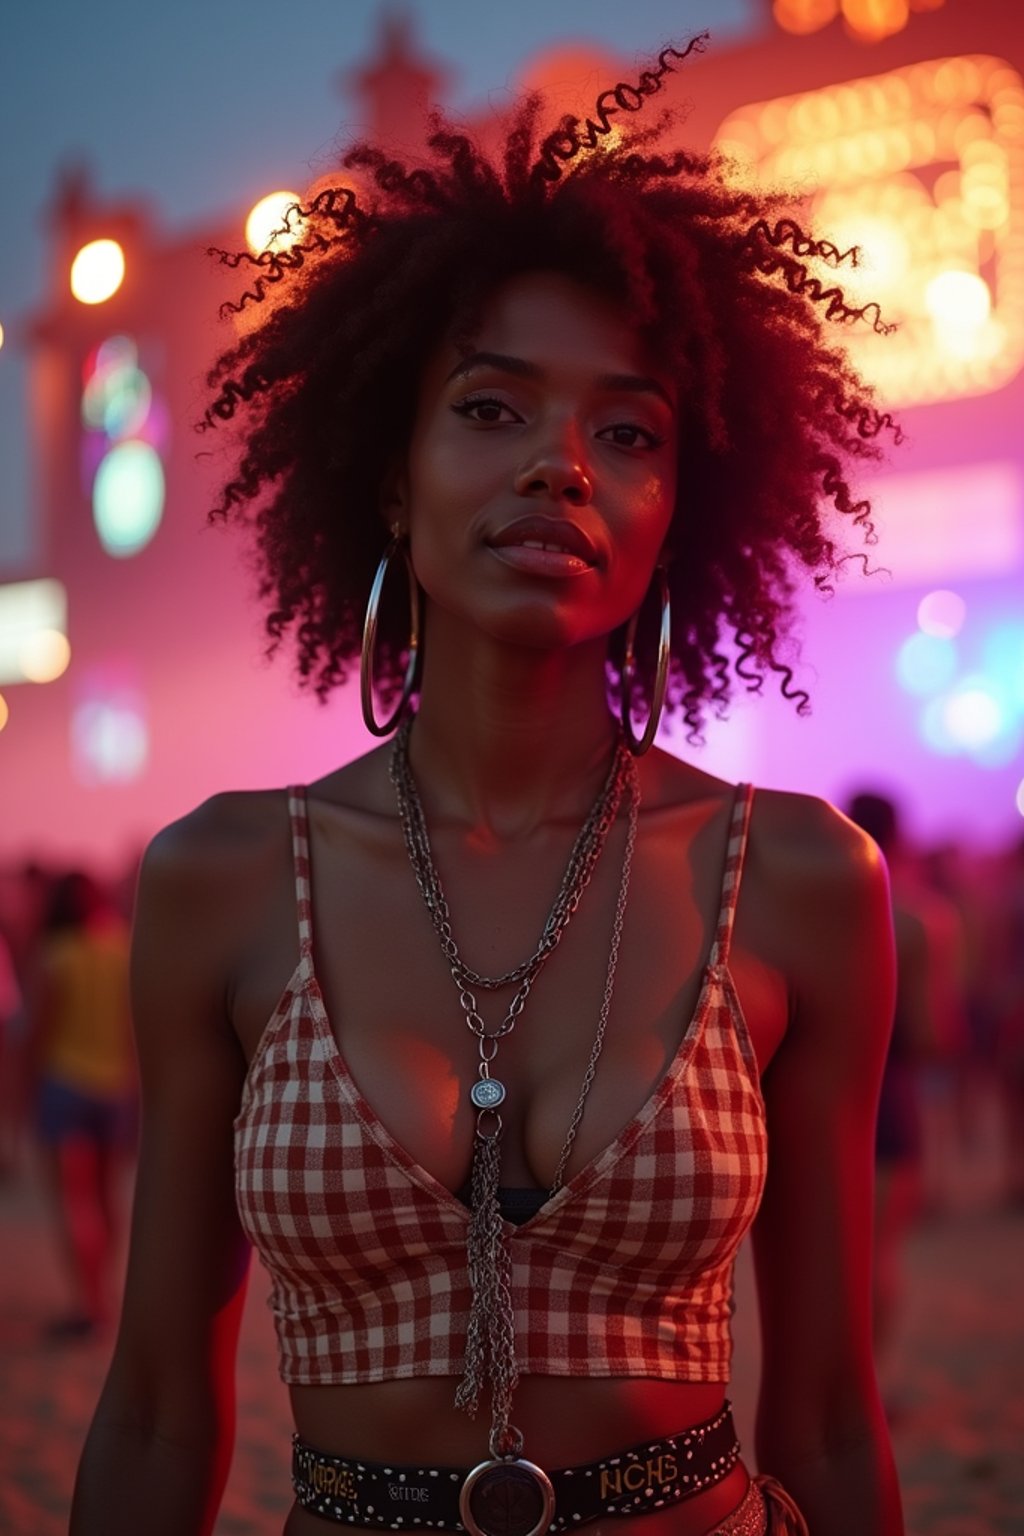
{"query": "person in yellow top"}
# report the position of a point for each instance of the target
(81, 1078)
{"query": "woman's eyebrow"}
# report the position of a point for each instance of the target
(633, 383)
(516, 365)
(636, 383)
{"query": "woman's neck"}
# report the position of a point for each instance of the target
(508, 738)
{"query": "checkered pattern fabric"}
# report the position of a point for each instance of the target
(627, 1271)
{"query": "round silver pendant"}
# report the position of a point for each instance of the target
(487, 1093)
(507, 1498)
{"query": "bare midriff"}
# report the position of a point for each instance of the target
(565, 1422)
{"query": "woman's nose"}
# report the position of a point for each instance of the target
(558, 473)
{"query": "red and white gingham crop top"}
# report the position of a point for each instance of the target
(626, 1271)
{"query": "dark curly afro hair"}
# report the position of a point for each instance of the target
(722, 284)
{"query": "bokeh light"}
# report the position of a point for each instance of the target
(960, 305)
(270, 226)
(1003, 656)
(941, 614)
(128, 497)
(867, 20)
(975, 716)
(1002, 750)
(802, 16)
(925, 663)
(1019, 798)
(26, 607)
(117, 395)
(921, 167)
(979, 713)
(44, 655)
(97, 272)
(109, 741)
(885, 259)
(935, 728)
(5, 713)
(959, 299)
(1, 335)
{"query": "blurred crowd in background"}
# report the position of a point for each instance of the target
(68, 1087)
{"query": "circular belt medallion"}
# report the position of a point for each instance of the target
(507, 1498)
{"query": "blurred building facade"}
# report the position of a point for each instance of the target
(130, 661)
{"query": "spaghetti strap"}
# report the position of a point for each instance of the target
(735, 853)
(299, 818)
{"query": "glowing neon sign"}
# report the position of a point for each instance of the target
(923, 169)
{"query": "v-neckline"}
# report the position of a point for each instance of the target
(304, 978)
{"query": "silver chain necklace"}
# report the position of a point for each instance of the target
(490, 1338)
(585, 851)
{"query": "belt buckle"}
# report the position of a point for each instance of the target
(507, 1496)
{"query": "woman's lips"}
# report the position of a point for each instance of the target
(538, 559)
(544, 546)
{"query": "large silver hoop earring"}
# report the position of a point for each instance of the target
(627, 676)
(399, 545)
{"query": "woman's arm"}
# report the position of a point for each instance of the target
(157, 1455)
(820, 1425)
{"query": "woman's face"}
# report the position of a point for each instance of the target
(541, 473)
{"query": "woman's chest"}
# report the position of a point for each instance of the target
(589, 1041)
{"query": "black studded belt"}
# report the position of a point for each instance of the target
(514, 1497)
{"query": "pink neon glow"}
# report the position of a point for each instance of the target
(969, 520)
(941, 613)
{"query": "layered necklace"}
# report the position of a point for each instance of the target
(490, 1340)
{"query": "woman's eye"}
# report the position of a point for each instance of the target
(625, 435)
(484, 408)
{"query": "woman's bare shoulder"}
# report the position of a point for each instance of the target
(208, 877)
(229, 829)
(819, 886)
(809, 843)
(804, 834)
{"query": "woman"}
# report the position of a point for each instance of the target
(538, 390)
